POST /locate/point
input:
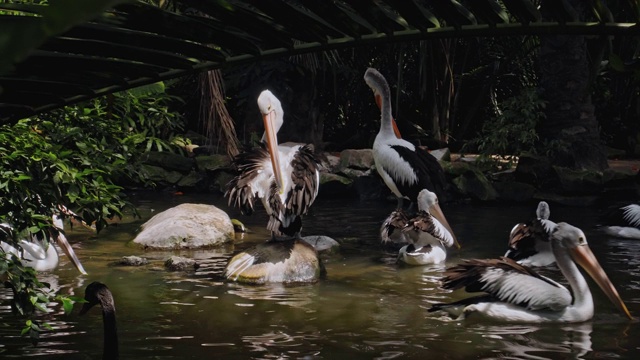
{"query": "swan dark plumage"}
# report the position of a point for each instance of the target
(98, 293)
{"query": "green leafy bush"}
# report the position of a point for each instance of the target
(75, 157)
(513, 130)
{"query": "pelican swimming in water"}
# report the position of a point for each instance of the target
(428, 233)
(405, 168)
(622, 221)
(39, 253)
(529, 242)
(285, 178)
(516, 293)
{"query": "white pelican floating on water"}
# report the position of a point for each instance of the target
(622, 222)
(285, 178)
(405, 168)
(428, 233)
(529, 242)
(38, 253)
(515, 293)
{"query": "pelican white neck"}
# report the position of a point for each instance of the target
(382, 94)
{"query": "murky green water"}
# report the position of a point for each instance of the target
(367, 308)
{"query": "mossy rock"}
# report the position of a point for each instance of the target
(535, 170)
(212, 162)
(169, 161)
(514, 191)
(193, 180)
(474, 184)
(579, 181)
(361, 159)
(160, 175)
(335, 185)
(456, 168)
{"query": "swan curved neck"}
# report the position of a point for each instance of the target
(110, 350)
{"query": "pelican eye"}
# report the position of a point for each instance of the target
(581, 240)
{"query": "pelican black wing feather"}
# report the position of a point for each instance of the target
(470, 273)
(522, 240)
(428, 171)
(272, 252)
(396, 221)
(422, 222)
(247, 166)
(464, 302)
(304, 177)
(508, 281)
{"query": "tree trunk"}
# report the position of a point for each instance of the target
(570, 127)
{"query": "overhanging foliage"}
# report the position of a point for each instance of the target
(136, 44)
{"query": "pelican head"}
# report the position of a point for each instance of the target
(574, 242)
(428, 201)
(378, 84)
(381, 93)
(272, 116)
(543, 211)
(62, 241)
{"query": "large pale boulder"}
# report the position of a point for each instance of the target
(186, 226)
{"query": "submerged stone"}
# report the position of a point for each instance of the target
(133, 261)
(178, 263)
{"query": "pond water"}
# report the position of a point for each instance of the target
(368, 307)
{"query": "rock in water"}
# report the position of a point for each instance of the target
(186, 226)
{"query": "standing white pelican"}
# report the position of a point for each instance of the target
(285, 178)
(428, 233)
(529, 243)
(622, 221)
(39, 253)
(406, 169)
(515, 293)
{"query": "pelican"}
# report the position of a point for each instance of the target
(529, 242)
(428, 233)
(285, 178)
(405, 168)
(39, 253)
(515, 293)
(98, 293)
(622, 222)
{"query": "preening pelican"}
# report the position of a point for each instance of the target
(516, 293)
(405, 168)
(286, 261)
(39, 253)
(285, 178)
(428, 233)
(529, 242)
(622, 222)
(98, 293)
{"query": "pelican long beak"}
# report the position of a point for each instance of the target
(393, 121)
(61, 240)
(272, 147)
(438, 214)
(585, 258)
